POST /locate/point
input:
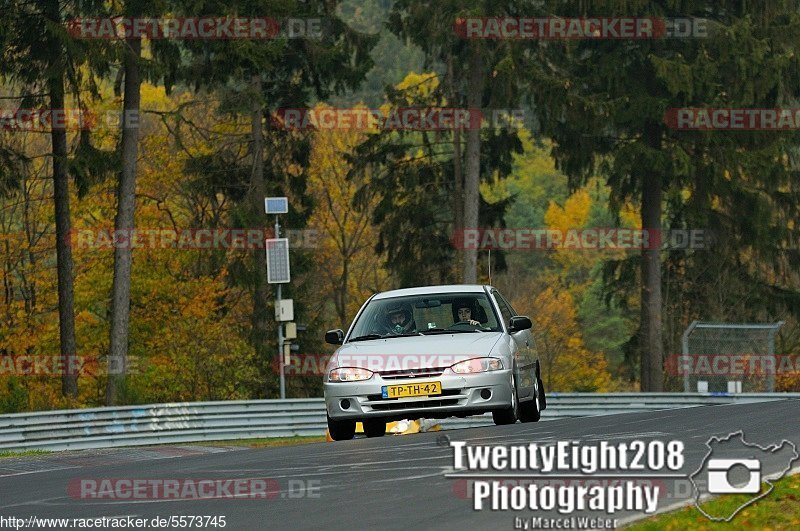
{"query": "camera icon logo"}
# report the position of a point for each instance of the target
(734, 466)
(719, 482)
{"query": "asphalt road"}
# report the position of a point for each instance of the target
(388, 483)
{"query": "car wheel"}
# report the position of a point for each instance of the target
(341, 430)
(530, 411)
(374, 428)
(508, 416)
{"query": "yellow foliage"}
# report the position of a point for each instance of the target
(567, 365)
(347, 269)
(573, 215)
(575, 263)
(418, 87)
(184, 347)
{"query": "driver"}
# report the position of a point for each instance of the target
(399, 319)
(464, 312)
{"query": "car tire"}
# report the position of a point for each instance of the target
(507, 416)
(341, 430)
(374, 428)
(542, 396)
(530, 411)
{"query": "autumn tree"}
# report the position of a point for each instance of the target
(126, 204)
(250, 79)
(47, 64)
(567, 365)
(345, 236)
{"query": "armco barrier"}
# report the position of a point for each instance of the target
(248, 419)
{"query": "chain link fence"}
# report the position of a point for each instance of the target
(726, 358)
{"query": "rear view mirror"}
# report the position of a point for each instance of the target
(334, 337)
(519, 322)
(428, 303)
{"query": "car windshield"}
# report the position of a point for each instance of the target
(426, 315)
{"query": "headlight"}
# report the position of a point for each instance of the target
(477, 365)
(349, 374)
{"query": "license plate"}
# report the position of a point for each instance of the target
(415, 389)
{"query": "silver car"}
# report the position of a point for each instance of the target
(433, 352)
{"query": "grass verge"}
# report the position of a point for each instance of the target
(21, 453)
(780, 509)
(265, 443)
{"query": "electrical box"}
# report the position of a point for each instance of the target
(284, 311)
(290, 331)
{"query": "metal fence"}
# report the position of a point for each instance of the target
(250, 419)
(728, 357)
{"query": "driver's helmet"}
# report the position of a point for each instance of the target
(399, 319)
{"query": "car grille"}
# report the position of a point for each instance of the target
(397, 406)
(412, 373)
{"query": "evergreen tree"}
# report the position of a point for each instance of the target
(604, 103)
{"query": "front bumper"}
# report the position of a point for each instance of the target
(461, 396)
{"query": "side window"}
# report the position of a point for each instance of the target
(505, 310)
(485, 315)
(511, 308)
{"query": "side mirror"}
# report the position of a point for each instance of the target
(335, 337)
(519, 322)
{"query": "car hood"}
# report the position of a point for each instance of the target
(441, 350)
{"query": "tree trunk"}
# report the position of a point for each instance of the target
(123, 224)
(652, 378)
(458, 178)
(58, 137)
(255, 200)
(473, 163)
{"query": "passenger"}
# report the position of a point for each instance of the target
(464, 313)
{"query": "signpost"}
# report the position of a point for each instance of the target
(278, 273)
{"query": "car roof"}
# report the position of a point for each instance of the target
(423, 290)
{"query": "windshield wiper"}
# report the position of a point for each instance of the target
(378, 336)
(366, 337)
(446, 331)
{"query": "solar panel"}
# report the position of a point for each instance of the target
(278, 261)
(276, 205)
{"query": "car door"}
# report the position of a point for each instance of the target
(523, 351)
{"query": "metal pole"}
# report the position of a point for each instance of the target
(685, 352)
(280, 324)
(771, 354)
